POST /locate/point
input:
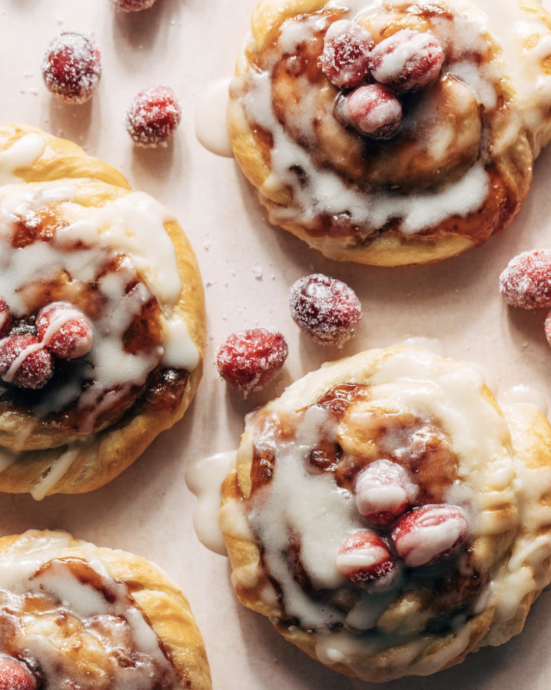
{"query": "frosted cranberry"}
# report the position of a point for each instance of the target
(345, 58)
(72, 67)
(526, 282)
(384, 491)
(247, 360)
(24, 361)
(64, 330)
(325, 309)
(5, 319)
(366, 561)
(406, 61)
(430, 534)
(371, 109)
(15, 676)
(133, 5)
(153, 116)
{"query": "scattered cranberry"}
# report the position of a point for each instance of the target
(430, 534)
(247, 360)
(72, 67)
(372, 109)
(325, 309)
(15, 676)
(526, 282)
(24, 361)
(366, 561)
(5, 319)
(384, 491)
(345, 58)
(64, 331)
(153, 116)
(406, 61)
(133, 5)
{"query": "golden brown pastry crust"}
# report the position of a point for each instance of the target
(509, 178)
(106, 454)
(529, 442)
(160, 600)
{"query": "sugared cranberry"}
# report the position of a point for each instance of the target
(345, 58)
(325, 309)
(133, 5)
(548, 328)
(153, 116)
(5, 319)
(371, 109)
(24, 361)
(526, 282)
(247, 360)
(406, 61)
(15, 676)
(64, 330)
(365, 560)
(384, 491)
(429, 535)
(72, 67)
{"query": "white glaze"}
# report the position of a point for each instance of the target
(524, 394)
(18, 577)
(204, 479)
(210, 119)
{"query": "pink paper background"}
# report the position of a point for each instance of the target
(187, 44)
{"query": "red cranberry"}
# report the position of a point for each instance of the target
(371, 109)
(406, 61)
(384, 491)
(325, 309)
(247, 360)
(153, 116)
(72, 67)
(15, 676)
(526, 282)
(345, 58)
(5, 319)
(366, 561)
(429, 535)
(133, 5)
(24, 361)
(64, 331)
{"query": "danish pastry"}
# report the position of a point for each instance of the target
(387, 515)
(76, 616)
(388, 132)
(101, 315)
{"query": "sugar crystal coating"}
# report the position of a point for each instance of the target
(72, 67)
(526, 282)
(326, 309)
(64, 331)
(406, 61)
(15, 676)
(430, 534)
(345, 58)
(153, 116)
(366, 561)
(133, 5)
(247, 360)
(372, 109)
(24, 362)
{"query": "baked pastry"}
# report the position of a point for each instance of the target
(429, 161)
(388, 517)
(76, 616)
(102, 318)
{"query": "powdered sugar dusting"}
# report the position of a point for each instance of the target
(72, 67)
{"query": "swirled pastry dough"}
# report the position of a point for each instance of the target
(293, 500)
(461, 165)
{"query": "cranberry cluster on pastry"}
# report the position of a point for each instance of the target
(392, 133)
(101, 318)
(388, 517)
(76, 617)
